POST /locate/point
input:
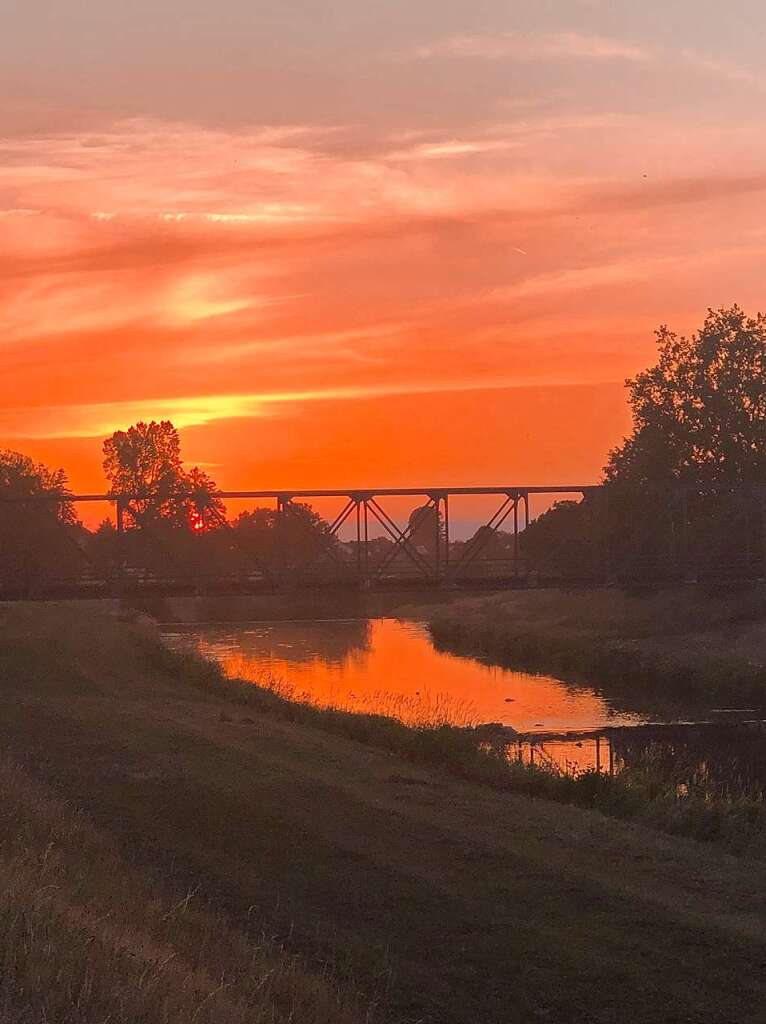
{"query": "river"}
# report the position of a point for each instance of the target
(391, 667)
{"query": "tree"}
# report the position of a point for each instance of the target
(560, 541)
(20, 477)
(699, 414)
(426, 525)
(293, 537)
(38, 538)
(683, 487)
(144, 463)
(204, 510)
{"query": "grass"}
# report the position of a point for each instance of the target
(682, 648)
(237, 856)
(88, 937)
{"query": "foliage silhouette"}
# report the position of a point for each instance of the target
(39, 538)
(684, 494)
(144, 463)
(685, 490)
(699, 414)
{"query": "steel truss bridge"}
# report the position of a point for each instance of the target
(420, 552)
(676, 536)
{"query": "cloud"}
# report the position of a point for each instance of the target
(98, 420)
(563, 46)
(350, 342)
(450, 148)
(523, 47)
(204, 275)
(724, 69)
(586, 278)
(617, 273)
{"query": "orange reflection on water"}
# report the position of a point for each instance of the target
(391, 667)
(574, 755)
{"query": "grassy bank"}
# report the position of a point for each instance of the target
(88, 936)
(681, 648)
(230, 857)
(479, 754)
(89, 932)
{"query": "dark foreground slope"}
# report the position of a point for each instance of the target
(443, 901)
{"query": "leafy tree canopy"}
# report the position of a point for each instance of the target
(21, 477)
(699, 414)
(144, 462)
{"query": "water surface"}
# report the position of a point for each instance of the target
(392, 667)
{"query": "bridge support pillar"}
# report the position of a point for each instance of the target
(119, 514)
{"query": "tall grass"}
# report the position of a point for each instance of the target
(88, 935)
(88, 938)
(428, 708)
(664, 648)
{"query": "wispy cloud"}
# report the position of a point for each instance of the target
(617, 273)
(306, 272)
(96, 420)
(576, 46)
(724, 69)
(450, 148)
(527, 47)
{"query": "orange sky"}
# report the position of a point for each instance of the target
(337, 248)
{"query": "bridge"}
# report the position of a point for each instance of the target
(375, 538)
(365, 545)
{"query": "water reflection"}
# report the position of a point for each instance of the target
(277, 645)
(392, 667)
(711, 758)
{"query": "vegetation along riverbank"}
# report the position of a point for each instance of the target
(178, 847)
(676, 648)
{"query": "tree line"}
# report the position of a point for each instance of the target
(684, 493)
(170, 521)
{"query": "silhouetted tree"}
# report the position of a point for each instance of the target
(21, 477)
(39, 539)
(699, 434)
(292, 537)
(699, 414)
(144, 463)
(559, 542)
(684, 493)
(170, 513)
(204, 510)
(425, 524)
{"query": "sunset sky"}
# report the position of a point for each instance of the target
(346, 243)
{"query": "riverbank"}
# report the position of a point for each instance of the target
(677, 649)
(304, 603)
(293, 855)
